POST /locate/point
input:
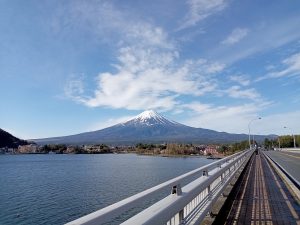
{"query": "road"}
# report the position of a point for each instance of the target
(290, 161)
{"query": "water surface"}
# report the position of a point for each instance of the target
(55, 189)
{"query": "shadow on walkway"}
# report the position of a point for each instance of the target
(260, 197)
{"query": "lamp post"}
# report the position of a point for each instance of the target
(292, 135)
(259, 118)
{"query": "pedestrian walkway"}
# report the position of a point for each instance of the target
(262, 197)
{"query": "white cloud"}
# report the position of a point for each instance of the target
(105, 23)
(148, 72)
(292, 65)
(235, 119)
(74, 87)
(271, 35)
(291, 68)
(151, 78)
(236, 36)
(201, 9)
(241, 79)
(275, 123)
(232, 119)
(238, 92)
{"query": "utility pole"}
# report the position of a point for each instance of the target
(259, 118)
(292, 135)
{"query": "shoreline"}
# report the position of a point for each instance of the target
(214, 157)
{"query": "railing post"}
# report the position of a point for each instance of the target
(181, 216)
(209, 193)
(176, 190)
(178, 218)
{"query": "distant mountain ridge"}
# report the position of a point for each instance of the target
(10, 141)
(148, 127)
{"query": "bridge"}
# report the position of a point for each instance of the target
(245, 188)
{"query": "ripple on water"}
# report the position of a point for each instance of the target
(54, 189)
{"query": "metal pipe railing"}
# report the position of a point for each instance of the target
(110, 212)
(167, 211)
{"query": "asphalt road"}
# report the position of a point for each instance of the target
(290, 161)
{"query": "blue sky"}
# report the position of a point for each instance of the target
(73, 66)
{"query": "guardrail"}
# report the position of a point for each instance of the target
(287, 149)
(187, 205)
(287, 174)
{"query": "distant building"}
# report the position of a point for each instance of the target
(71, 149)
(211, 150)
(31, 148)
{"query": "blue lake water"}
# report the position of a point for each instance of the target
(55, 189)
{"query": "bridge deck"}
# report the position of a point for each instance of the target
(290, 161)
(263, 198)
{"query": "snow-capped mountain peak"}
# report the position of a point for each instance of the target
(147, 115)
(150, 117)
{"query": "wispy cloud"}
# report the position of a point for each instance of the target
(74, 87)
(241, 79)
(201, 9)
(292, 65)
(148, 70)
(271, 35)
(238, 92)
(236, 36)
(104, 22)
(291, 68)
(289, 119)
(222, 118)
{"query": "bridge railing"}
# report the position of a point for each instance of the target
(187, 205)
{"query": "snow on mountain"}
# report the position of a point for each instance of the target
(148, 114)
(149, 118)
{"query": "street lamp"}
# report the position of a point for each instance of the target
(259, 118)
(292, 135)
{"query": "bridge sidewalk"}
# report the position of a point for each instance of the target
(262, 197)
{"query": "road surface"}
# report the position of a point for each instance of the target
(290, 161)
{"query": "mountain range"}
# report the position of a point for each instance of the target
(9, 141)
(149, 127)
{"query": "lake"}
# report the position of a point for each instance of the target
(55, 189)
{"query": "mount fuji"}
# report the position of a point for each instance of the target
(148, 127)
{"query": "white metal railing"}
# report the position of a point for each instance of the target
(287, 149)
(187, 205)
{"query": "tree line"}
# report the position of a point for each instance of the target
(285, 141)
(228, 149)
